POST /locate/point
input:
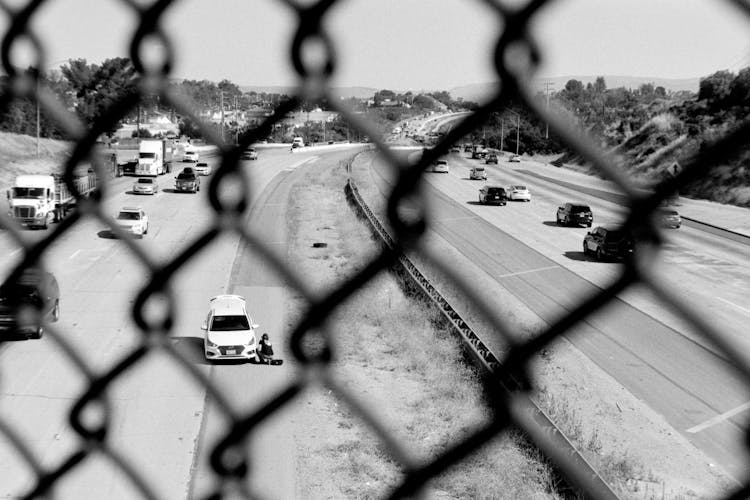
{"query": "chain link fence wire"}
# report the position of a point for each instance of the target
(516, 58)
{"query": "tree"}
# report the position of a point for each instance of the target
(98, 87)
(739, 90)
(717, 87)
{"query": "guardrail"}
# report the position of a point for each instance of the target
(576, 469)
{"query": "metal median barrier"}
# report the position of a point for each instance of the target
(512, 405)
(546, 433)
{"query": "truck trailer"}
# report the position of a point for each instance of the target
(154, 157)
(39, 200)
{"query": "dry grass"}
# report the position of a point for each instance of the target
(407, 369)
(18, 156)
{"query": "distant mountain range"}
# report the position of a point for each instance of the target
(345, 92)
(479, 92)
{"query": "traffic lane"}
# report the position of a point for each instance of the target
(550, 299)
(709, 273)
(249, 386)
(99, 278)
(637, 350)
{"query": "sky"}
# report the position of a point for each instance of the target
(408, 44)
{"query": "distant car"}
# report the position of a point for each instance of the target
(441, 167)
(478, 173)
(145, 185)
(574, 214)
(229, 331)
(203, 168)
(666, 217)
(514, 159)
(187, 182)
(467, 148)
(37, 289)
(455, 149)
(190, 156)
(133, 220)
(492, 195)
(250, 154)
(518, 192)
(606, 243)
(189, 171)
(491, 158)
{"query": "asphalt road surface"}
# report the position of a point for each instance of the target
(636, 339)
(161, 420)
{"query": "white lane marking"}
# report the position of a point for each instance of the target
(735, 305)
(528, 272)
(451, 219)
(74, 254)
(718, 419)
(302, 162)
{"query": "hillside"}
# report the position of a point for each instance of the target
(18, 156)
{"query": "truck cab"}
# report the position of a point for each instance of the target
(31, 200)
(298, 142)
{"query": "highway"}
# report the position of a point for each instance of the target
(161, 420)
(636, 340)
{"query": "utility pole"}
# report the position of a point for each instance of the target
(518, 131)
(222, 115)
(502, 133)
(547, 86)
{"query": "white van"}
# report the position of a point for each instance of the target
(298, 142)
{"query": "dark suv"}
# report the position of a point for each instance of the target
(607, 243)
(34, 290)
(574, 214)
(492, 194)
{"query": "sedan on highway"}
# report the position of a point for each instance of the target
(492, 195)
(491, 158)
(514, 159)
(229, 331)
(518, 192)
(190, 156)
(250, 154)
(203, 168)
(478, 173)
(133, 220)
(666, 217)
(35, 289)
(145, 185)
(440, 166)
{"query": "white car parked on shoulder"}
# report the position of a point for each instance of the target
(229, 331)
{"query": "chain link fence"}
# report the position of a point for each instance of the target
(515, 60)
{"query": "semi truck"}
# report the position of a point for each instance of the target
(154, 157)
(36, 201)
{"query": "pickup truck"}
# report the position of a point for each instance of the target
(607, 243)
(187, 182)
(574, 213)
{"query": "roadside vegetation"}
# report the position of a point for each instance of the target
(390, 351)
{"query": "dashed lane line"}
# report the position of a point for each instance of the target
(735, 305)
(719, 419)
(527, 272)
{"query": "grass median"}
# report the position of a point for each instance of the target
(392, 352)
